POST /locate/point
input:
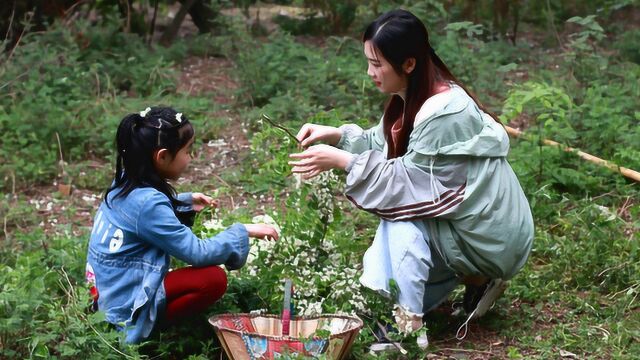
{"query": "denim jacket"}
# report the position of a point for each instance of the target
(129, 253)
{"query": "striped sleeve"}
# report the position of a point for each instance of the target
(399, 189)
(355, 140)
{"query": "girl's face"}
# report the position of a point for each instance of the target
(171, 167)
(382, 73)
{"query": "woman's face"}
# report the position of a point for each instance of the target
(381, 71)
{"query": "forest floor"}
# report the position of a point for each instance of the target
(212, 77)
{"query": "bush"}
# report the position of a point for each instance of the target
(292, 81)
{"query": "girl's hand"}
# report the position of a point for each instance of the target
(262, 231)
(319, 158)
(200, 201)
(312, 133)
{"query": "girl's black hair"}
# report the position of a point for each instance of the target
(399, 35)
(139, 135)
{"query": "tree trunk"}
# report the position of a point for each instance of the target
(170, 33)
(202, 15)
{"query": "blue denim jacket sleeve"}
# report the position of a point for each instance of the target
(186, 198)
(158, 225)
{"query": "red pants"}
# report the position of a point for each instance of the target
(191, 290)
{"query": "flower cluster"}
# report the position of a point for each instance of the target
(325, 276)
(315, 249)
(213, 224)
(323, 186)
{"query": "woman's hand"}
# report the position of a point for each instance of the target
(200, 201)
(262, 231)
(319, 158)
(310, 134)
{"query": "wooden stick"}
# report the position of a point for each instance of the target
(631, 174)
(386, 336)
(273, 123)
(286, 307)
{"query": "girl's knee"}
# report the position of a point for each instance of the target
(216, 281)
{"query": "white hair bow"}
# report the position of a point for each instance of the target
(144, 112)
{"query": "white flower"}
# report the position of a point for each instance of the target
(312, 309)
(144, 112)
(179, 117)
(213, 224)
(217, 143)
(606, 212)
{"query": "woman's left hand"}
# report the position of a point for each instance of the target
(200, 201)
(319, 158)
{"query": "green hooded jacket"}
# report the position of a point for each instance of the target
(455, 178)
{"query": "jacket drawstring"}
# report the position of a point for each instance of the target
(432, 180)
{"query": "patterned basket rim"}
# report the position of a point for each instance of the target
(213, 319)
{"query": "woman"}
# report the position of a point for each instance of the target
(435, 171)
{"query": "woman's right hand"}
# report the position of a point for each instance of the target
(310, 134)
(262, 231)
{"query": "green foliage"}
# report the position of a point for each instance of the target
(271, 169)
(605, 124)
(322, 17)
(291, 81)
(66, 81)
(431, 12)
(583, 57)
(600, 237)
(43, 303)
(309, 25)
(481, 66)
(549, 103)
(578, 292)
(76, 83)
(340, 14)
(541, 12)
(627, 45)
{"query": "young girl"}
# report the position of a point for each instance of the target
(435, 171)
(138, 227)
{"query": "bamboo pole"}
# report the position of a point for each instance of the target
(631, 174)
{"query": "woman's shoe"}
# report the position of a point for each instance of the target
(423, 341)
(492, 292)
(476, 306)
(472, 296)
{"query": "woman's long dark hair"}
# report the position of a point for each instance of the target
(139, 136)
(399, 35)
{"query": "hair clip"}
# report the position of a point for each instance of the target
(144, 112)
(179, 117)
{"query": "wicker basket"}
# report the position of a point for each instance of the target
(247, 336)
